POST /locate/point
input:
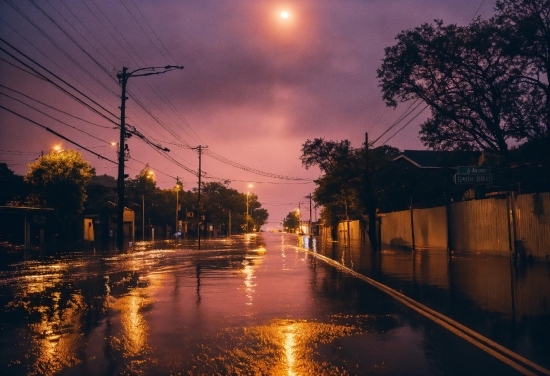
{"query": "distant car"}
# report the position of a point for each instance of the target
(177, 235)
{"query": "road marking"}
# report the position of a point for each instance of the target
(507, 356)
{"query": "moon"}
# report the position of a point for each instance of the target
(285, 15)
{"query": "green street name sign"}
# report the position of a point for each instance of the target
(474, 170)
(473, 179)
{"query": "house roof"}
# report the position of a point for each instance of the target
(439, 159)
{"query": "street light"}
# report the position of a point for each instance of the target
(123, 79)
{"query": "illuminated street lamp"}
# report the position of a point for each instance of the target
(123, 79)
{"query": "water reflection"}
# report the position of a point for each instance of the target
(251, 263)
(281, 347)
(506, 303)
(236, 307)
(134, 328)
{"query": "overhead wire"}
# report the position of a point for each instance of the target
(54, 43)
(183, 144)
(145, 32)
(57, 85)
(58, 134)
(249, 169)
(407, 123)
(53, 118)
(54, 108)
(153, 31)
(405, 113)
(93, 36)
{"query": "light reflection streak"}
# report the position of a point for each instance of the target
(250, 264)
(289, 344)
(56, 335)
(284, 347)
(135, 329)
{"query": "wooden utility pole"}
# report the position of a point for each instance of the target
(370, 199)
(309, 225)
(123, 79)
(199, 149)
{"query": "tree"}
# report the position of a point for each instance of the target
(291, 223)
(471, 86)
(525, 29)
(59, 179)
(14, 189)
(341, 189)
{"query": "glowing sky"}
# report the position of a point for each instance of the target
(257, 82)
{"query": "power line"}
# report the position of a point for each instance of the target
(58, 134)
(250, 169)
(407, 123)
(478, 8)
(57, 85)
(405, 113)
(65, 53)
(51, 117)
(54, 108)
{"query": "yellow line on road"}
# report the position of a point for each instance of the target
(512, 359)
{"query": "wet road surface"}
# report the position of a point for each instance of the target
(248, 305)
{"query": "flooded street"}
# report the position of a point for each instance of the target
(261, 304)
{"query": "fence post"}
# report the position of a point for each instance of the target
(412, 226)
(512, 227)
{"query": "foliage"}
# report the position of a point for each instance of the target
(291, 223)
(14, 189)
(525, 29)
(469, 84)
(59, 180)
(217, 201)
(101, 192)
(343, 192)
(339, 188)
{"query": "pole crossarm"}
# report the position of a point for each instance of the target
(152, 71)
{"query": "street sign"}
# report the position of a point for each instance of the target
(474, 170)
(473, 179)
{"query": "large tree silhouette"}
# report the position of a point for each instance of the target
(470, 84)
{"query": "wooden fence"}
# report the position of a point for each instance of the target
(505, 226)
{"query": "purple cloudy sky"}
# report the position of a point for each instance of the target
(254, 88)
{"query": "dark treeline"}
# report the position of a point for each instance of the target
(67, 183)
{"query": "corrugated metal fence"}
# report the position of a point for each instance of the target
(500, 226)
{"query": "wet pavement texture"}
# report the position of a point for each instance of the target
(509, 304)
(259, 305)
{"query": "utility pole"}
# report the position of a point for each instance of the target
(199, 149)
(370, 200)
(309, 225)
(123, 79)
(178, 186)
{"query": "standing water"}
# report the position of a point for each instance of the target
(256, 304)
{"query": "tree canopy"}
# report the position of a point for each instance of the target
(59, 180)
(483, 93)
(291, 223)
